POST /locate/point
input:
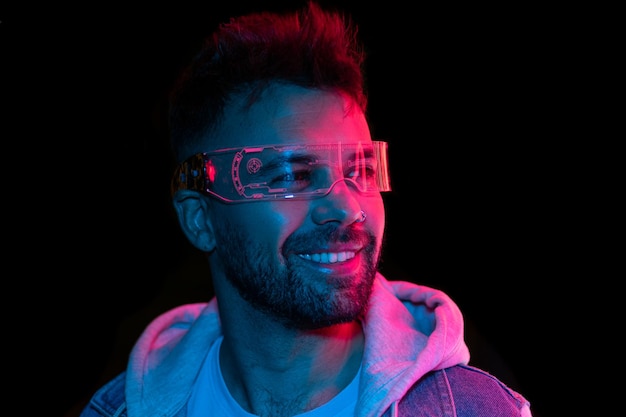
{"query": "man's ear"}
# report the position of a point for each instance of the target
(192, 209)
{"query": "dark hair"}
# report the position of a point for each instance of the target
(312, 48)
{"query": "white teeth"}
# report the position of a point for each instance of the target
(328, 257)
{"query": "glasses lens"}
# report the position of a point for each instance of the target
(285, 171)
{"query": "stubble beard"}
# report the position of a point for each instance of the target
(283, 291)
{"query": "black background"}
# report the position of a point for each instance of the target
(465, 96)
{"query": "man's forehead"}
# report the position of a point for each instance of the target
(290, 115)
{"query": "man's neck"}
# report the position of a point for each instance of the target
(270, 370)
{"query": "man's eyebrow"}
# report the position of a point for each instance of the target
(280, 160)
(310, 156)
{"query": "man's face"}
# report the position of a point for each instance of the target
(306, 263)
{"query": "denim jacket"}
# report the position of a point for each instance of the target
(415, 362)
(458, 391)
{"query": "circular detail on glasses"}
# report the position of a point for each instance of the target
(254, 165)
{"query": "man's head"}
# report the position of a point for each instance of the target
(276, 115)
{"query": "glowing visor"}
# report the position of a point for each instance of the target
(285, 172)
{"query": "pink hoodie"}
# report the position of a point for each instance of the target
(409, 331)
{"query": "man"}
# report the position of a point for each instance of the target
(279, 184)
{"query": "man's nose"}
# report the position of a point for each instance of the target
(341, 204)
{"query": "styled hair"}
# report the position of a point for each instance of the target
(311, 48)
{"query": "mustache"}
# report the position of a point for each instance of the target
(325, 234)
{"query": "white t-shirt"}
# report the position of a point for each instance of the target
(210, 396)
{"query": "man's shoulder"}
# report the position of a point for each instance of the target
(469, 390)
(108, 400)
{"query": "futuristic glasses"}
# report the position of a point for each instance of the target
(285, 172)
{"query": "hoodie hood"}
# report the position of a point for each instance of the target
(409, 329)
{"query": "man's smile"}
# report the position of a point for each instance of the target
(328, 257)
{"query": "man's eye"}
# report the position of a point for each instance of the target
(361, 171)
(292, 179)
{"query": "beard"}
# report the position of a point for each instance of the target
(299, 298)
